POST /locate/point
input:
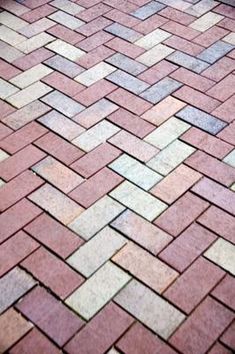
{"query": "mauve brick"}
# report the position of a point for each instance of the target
(226, 110)
(220, 69)
(202, 328)
(226, 225)
(54, 235)
(196, 98)
(63, 83)
(101, 332)
(206, 142)
(187, 247)
(150, 24)
(228, 133)
(192, 79)
(96, 159)
(6, 109)
(95, 56)
(22, 160)
(183, 45)
(211, 167)
(194, 284)
(38, 13)
(14, 250)
(129, 101)
(4, 131)
(181, 214)
(95, 92)
(52, 272)
(216, 194)
(210, 36)
(18, 188)
(36, 57)
(94, 41)
(224, 291)
(96, 187)
(131, 123)
(228, 337)
(65, 34)
(50, 315)
(122, 18)
(121, 46)
(59, 148)
(22, 137)
(17, 217)
(34, 342)
(157, 72)
(219, 349)
(180, 30)
(94, 26)
(8, 71)
(176, 15)
(139, 340)
(224, 89)
(93, 12)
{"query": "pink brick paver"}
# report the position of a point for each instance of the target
(117, 176)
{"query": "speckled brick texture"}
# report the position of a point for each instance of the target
(117, 176)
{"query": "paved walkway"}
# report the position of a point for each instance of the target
(117, 176)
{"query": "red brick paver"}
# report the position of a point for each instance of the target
(117, 176)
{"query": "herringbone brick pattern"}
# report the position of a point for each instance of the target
(117, 176)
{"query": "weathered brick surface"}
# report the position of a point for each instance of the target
(117, 176)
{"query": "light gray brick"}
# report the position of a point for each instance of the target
(161, 90)
(123, 32)
(14, 285)
(201, 119)
(63, 104)
(215, 52)
(149, 308)
(64, 66)
(188, 62)
(148, 10)
(127, 64)
(128, 82)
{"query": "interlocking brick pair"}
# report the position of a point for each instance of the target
(117, 176)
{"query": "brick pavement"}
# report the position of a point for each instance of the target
(117, 176)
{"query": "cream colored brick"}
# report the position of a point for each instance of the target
(169, 158)
(101, 213)
(10, 36)
(92, 295)
(167, 132)
(30, 76)
(12, 21)
(155, 55)
(66, 20)
(37, 27)
(138, 200)
(95, 73)
(206, 21)
(35, 42)
(149, 308)
(29, 94)
(9, 53)
(230, 38)
(230, 158)
(67, 6)
(1, 181)
(96, 135)
(6, 89)
(94, 253)
(3, 155)
(135, 171)
(222, 253)
(153, 38)
(66, 50)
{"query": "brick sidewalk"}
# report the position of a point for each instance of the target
(117, 176)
